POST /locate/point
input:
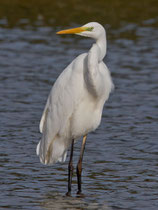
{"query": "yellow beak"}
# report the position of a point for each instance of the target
(73, 30)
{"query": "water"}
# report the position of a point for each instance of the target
(121, 158)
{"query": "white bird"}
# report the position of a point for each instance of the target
(75, 104)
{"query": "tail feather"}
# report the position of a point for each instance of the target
(57, 151)
(63, 158)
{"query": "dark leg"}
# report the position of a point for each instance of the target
(79, 165)
(70, 169)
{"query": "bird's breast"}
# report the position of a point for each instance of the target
(86, 117)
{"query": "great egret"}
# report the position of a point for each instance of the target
(75, 103)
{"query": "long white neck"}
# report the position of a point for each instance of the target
(95, 56)
(102, 44)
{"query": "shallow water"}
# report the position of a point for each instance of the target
(121, 158)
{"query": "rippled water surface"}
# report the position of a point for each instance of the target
(120, 169)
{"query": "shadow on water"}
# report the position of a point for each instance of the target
(57, 201)
(120, 163)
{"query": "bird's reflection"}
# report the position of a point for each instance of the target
(55, 200)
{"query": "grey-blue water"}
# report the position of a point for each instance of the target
(120, 167)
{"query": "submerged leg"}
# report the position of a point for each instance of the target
(79, 165)
(70, 169)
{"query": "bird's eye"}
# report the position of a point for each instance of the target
(89, 28)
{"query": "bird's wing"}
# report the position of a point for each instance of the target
(64, 95)
(56, 121)
(59, 104)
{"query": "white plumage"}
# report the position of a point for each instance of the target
(75, 103)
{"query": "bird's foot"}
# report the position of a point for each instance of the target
(68, 193)
(80, 194)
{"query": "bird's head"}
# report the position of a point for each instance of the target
(93, 30)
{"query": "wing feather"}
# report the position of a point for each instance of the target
(56, 117)
(56, 120)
